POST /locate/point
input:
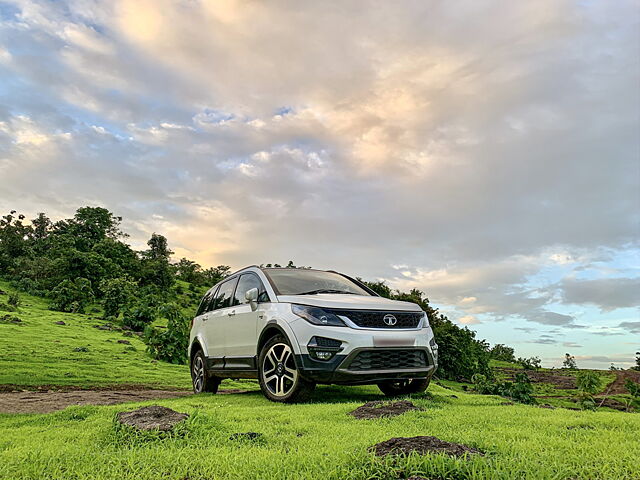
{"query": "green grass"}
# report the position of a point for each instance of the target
(320, 441)
(38, 352)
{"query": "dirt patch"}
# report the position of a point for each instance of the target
(422, 445)
(612, 403)
(380, 409)
(154, 417)
(559, 381)
(45, 402)
(617, 386)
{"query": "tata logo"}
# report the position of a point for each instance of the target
(390, 320)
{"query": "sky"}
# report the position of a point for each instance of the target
(484, 152)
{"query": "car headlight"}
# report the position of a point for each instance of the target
(317, 316)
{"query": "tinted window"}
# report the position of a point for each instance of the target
(296, 281)
(246, 283)
(206, 302)
(225, 294)
(212, 299)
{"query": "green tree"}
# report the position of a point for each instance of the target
(117, 293)
(588, 383)
(637, 367)
(72, 295)
(503, 353)
(569, 362)
(170, 344)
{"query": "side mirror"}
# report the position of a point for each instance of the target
(252, 297)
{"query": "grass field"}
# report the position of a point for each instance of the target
(309, 441)
(320, 441)
(37, 352)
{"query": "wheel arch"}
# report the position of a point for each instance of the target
(272, 329)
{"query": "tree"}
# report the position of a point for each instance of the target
(72, 295)
(213, 275)
(89, 225)
(637, 367)
(532, 363)
(569, 362)
(158, 248)
(588, 384)
(170, 344)
(117, 293)
(189, 271)
(503, 353)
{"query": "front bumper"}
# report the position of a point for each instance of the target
(341, 368)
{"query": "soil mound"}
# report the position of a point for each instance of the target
(380, 409)
(421, 445)
(151, 418)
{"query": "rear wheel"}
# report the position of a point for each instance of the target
(392, 388)
(278, 375)
(202, 382)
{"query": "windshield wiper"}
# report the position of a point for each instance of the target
(324, 290)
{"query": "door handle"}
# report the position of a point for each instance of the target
(231, 313)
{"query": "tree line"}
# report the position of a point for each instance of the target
(83, 260)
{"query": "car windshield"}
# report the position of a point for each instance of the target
(298, 281)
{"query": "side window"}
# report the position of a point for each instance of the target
(206, 301)
(211, 304)
(246, 283)
(225, 293)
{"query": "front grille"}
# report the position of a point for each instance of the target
(388, 360)
(375, 319)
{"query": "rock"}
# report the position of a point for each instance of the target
(81, 349)
(127, 334)
(59, 322)
(153, 417)
(546, 405)
(125, 342)
(453, 396)
(382, 409)
(10, 319)
(421, 445)
(246, 436)
(102, 327)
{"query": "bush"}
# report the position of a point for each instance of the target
(140, 313)
(520, 390)
(589, 384)
(72, 296)
(14, 300)
(531, 363)
(117, 293)
(634, 390)
(569, 362)
(503, 353)
(170, 344)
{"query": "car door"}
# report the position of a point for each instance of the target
(242, 325)
(215, 323)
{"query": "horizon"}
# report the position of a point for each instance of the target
(490, 160)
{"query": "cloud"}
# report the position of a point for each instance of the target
(468, 320)
(358, 139)
(632, 327)
(571, 345)
(605, 293)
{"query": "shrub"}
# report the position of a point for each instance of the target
(589, 384)
(637, 366)
(140, 313)
(532, 363)
(117, 293)
(520, 390)
(503, 353)
(634, 390)
(72, 296)
(14, 300)
(169, 344)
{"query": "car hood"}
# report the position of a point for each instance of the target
(351, 302)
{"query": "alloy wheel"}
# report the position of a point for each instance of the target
(198, 374)
(279, 373)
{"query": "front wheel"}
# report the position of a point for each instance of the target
(392, 388)
(202, 382)
(279, 378)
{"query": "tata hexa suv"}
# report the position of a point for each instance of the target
(292, 328)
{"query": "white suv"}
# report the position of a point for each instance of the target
(292, 328)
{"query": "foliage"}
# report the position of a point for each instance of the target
(531, 363)
(460, 354)
(503, 353)
(72, 296)
(14, 300)
(116, 294)
(637, 366)
(569, 362)
(140, 312)
(634, 390)
(520, 390)
(588, 383)
(169, 344)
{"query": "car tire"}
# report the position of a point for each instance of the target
(201, 380)
(279, 377)
(393, 388)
